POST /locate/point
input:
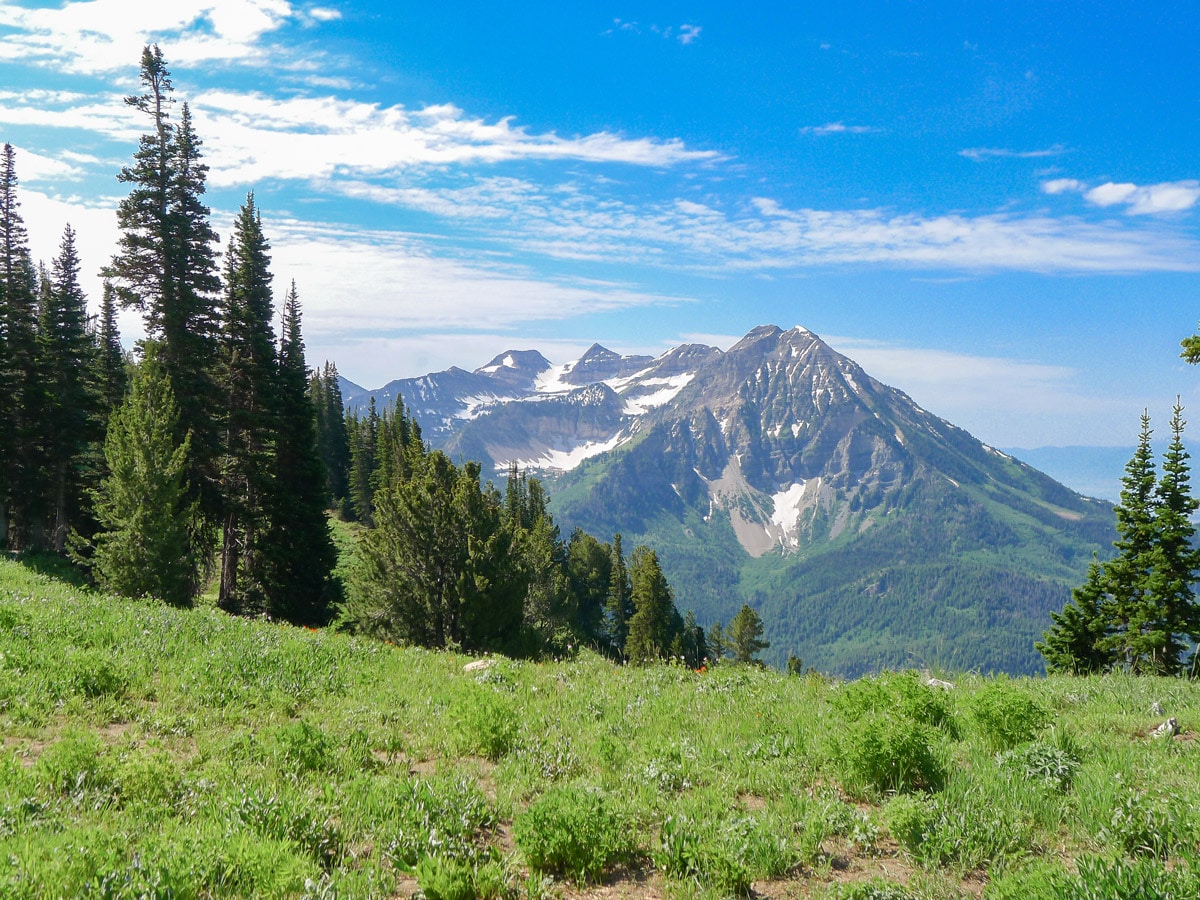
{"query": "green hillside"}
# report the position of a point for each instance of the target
(961, 574)
(155, 752)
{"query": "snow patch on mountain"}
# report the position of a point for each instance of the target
(565, 458)
(668, 388)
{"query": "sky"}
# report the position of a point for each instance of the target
(993, 207)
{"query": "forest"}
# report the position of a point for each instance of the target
(209, 460)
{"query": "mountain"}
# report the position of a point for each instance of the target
(867, 531)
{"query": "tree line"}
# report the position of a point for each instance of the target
(212, 455)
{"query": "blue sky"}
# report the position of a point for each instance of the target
(993, 207)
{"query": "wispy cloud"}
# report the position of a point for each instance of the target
(568, 222)
(1000, 400)
(837, 128)
(685, 34)
(1138, 200)
(99, 36)
(979, 154)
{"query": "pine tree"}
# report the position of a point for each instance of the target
(298, 554)
(19, 394)
(111, 375)
(144, 546)
(247, 380)
(1075, 642)
(165, 265)
(70, 414)
(745, 635)
(1132, 640)
(364, 438)
(436, 570)
(618, 606)
(333, 440)
(650, 631)
(1176, 561)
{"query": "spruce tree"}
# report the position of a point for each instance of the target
(745, 635)
(619, 604)
(144, 546)
(650, 631)
(19, 394)
(247, 376)
(1176, 562)
(70, 412)
(1132, 640)
(364, 439)
(1076, 642)
(297, 551)
(165, 265)
(333, 441)
(110, 373)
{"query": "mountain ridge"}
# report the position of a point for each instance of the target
(779, 472)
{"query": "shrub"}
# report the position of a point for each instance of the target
(887, 753)
(1052, 763)
(447, 817)
(304, 747)
(1148, 826)
(487, 724)
(571, 831)
(78, 764)
(898, 693)
(909, 820)
(875, 889)
(1006, 716)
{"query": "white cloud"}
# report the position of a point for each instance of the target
(689, 33)
(1110, 194)
(1138, 200)
(568, 223)
(978, 154)
(1062, 186)
(324, 14)
(96, 36)
(837, 128)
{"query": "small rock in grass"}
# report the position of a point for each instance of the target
(1169, 728)
(479, 665)
(1156, 709)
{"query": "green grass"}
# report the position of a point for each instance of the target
(148, 751)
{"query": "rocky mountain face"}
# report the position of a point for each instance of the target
(868, 531)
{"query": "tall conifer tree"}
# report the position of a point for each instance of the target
(18, 388)
(165, 265)
(70, 408)
(298, 555)
(247, 380)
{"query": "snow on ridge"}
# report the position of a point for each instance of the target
(669, 388)
(552, 380)
(476, 405)
(564, 460)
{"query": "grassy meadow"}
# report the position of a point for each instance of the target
(153, 752)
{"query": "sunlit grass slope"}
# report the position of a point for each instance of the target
(154, 752)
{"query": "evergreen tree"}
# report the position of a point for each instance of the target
(435, 570)
(650, 626)
(333, 441)
(718, 646)
(70, 414)
(1176, 561)
(364, 438)
(589, 572)
(165, 265)
(247, 379)
(144, 547)
(618, 606)
(298, 554)
(19, 393)
(745, 635)
(1075, 643)
(111, 372)
(1132, 639)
